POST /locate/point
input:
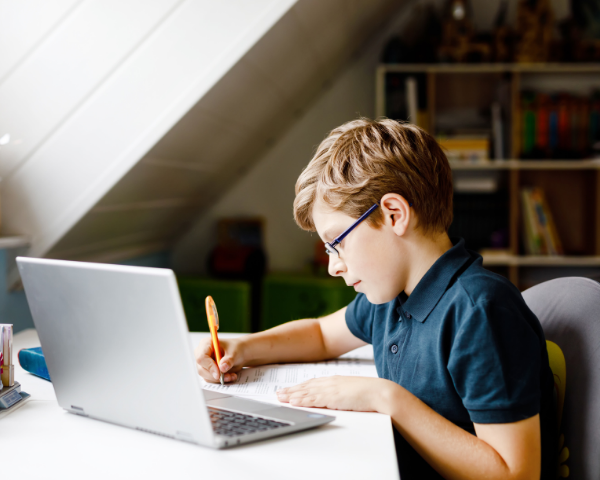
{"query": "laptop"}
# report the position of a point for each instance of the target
(116, 343)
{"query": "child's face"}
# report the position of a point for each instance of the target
(370, 259)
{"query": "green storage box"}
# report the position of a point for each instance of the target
(291, 297)
(232, 299)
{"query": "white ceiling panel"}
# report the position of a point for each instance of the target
(135, 106)
(179, 171)
(22, 28)
(45, 88)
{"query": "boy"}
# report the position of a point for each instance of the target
(462, 361)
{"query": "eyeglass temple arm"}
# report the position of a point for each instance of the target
(339, 239)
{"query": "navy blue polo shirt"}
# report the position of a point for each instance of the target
(467, 345)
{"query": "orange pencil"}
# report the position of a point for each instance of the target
(213, 325)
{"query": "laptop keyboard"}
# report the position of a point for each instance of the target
(232, 424)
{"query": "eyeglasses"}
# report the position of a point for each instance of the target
(330, 247)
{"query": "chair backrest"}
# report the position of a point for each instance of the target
(569, 311)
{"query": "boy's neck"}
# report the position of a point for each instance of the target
(424, 250)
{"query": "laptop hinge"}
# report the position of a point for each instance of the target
(78, 411)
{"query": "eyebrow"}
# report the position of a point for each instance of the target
(327, 235)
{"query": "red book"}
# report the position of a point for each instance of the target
(542, 123)
(564, 122)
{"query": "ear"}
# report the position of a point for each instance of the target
(396, 212)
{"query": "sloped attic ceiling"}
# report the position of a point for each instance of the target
(186, 169)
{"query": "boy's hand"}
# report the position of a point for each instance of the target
(337, 393)
(231, 360)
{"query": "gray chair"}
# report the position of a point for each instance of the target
(569, 311)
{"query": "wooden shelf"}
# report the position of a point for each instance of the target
(528, 165)
(571, 186)
(493, 67)
(13, 242)
(541, 260)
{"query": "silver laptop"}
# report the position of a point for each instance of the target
(117, 348)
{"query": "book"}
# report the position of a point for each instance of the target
(531, 238)
(466, 148)
(497, 131)
(540, 233)
(550, 233)
(528, 123)
(32, 360)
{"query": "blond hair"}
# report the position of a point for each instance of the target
(362, 160)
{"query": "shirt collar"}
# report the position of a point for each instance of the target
(435, 282)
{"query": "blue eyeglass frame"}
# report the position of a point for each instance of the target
(330, 247)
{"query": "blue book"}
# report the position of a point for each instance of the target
(33, 361)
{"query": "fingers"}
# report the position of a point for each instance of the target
(229, 362)
(304, 394)
(207, 366)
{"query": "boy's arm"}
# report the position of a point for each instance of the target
(510, 451)
(309, 340)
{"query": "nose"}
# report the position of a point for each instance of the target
(336, 266)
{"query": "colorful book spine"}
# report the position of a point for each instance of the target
(543, 123)
(540, 233)
(542, 223)
(557, 248)
(564, 123)
(32, 360)
(528, 140)
(531, 240)
(561, 125)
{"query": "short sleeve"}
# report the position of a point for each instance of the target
(359, 318)
(494, 363)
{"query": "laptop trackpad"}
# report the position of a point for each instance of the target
(239, 404)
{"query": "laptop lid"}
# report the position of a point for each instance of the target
(116, 344)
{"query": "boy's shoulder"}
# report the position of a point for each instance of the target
(481, 286)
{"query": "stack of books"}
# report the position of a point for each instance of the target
(11, 396)
(465, 148)
(541, 236)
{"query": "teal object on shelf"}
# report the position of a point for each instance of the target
(32, 360)
(291, 297)
(232, 299)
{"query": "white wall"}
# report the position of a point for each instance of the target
(268, 189)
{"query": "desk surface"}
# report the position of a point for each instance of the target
(40, 440)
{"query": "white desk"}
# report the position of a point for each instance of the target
(42, 441)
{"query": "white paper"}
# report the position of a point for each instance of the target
(267, 379)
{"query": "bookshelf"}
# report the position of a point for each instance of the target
(572, 186)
